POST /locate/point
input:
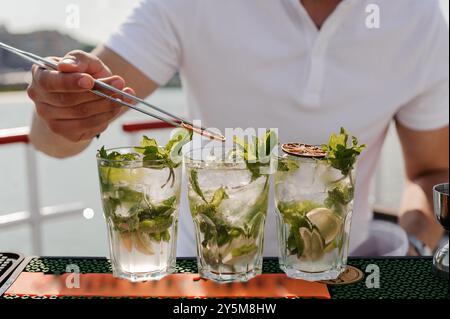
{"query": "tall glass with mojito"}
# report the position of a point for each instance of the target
(140, 190)
(314, 192)
(228, 197)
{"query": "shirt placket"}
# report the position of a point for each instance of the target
(313, 91)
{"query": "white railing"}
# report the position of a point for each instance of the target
(35, 215)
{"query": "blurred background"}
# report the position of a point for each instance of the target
(67, 191)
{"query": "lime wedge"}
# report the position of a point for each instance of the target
(328, 223)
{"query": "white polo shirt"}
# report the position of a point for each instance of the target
(264, 64)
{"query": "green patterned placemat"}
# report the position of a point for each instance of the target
(399, 278)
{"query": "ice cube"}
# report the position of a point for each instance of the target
(241, 202)
(159, 185)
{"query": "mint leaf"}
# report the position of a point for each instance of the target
(218, 197)
(256, 151)
(157, 157)
(125, 194)
(110, 205)
(156, 224)
(339, 155)
(244, 250)
(287, 165)
(116, 156)
(166, 207)
(126, 224)
(102, 153)
(147, 142)
(292, 211)
(257, 212)
(270, 142)
(247, 149)
(339, 197)
(193, 179)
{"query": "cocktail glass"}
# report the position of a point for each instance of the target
(314, 209)
(440, 201)
(140, 203)
(228, 204)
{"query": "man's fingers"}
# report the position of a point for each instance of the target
(129, 91)
(71, 98)
(76, 73)
(56, 106)
(115, 80)
(81, 62)
(67, 100)
(54, 59)
(74, 128)
(78, 112)
(54, 81)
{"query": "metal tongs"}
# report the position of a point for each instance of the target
(173, 120)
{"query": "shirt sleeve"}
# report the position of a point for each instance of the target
(148, 40)
(429, 109)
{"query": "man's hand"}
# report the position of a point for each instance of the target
(64, 103)
(67, 116)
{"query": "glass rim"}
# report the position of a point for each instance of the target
(127, 161)
(304, 160)
(222, 163)
(441, 188)
(282, 155)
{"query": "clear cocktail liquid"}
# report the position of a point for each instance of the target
(141, 209)
(229, 208)
(314, 209)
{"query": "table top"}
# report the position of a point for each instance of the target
(399, 277)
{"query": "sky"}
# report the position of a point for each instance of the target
(99, 15)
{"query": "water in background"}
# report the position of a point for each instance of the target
(75, 180)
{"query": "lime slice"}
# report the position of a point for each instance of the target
(142, 243)
(179, 138)
(240, 250)
(305, 234)
(124, 175)
(328, 223)
(317, 246)
(330, 247)
(113, 175)
(313, 244)
(126, 241)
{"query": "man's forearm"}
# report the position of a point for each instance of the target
(44, 140)
(417, 216)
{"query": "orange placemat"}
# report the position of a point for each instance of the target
(172, 286)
